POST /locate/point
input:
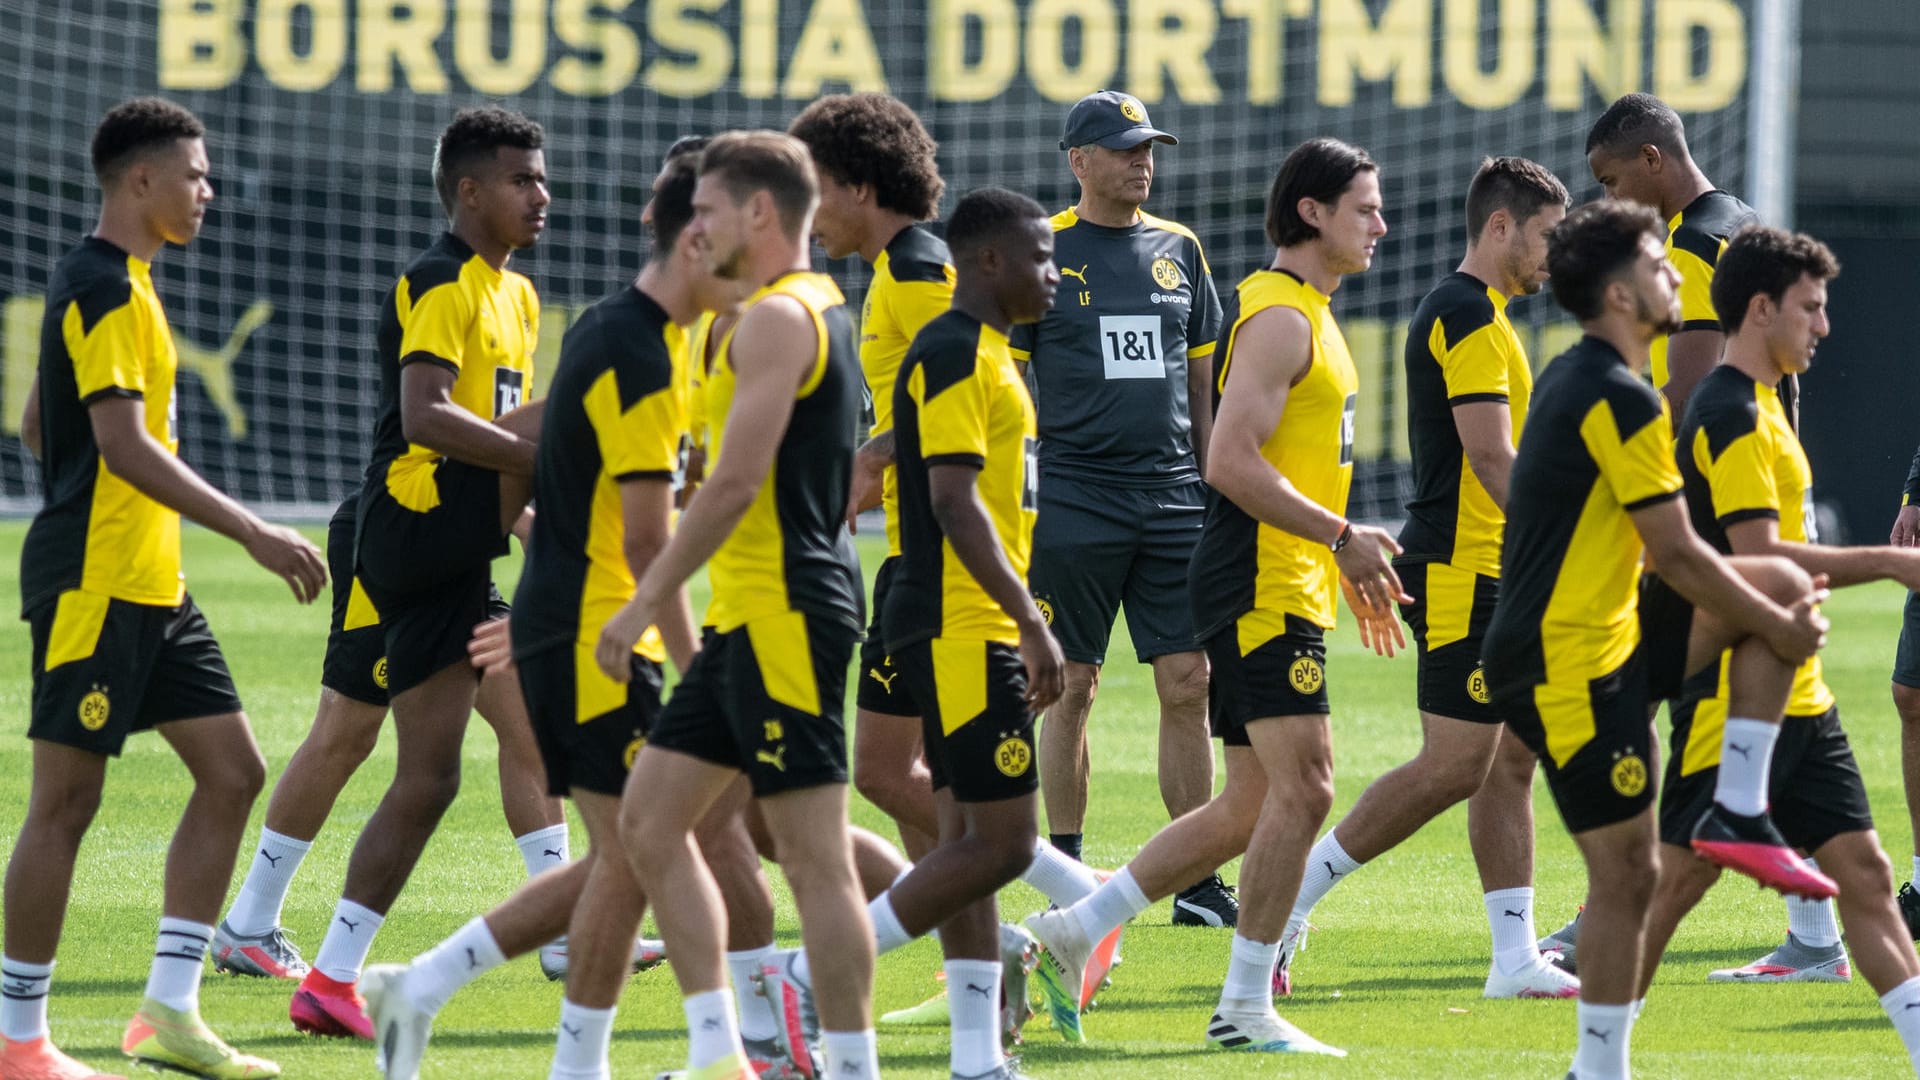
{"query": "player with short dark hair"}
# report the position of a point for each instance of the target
(959, 621)
(1579, 650)
(1467, 387)
(450, 474)
(1637, 150)
(1750, 492)
(1120, 368)
(1263, 596)
(764, 696)
(118, 643)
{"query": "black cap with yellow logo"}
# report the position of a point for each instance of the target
(1111, 119)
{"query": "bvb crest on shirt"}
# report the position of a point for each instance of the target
(1013, 756)
(95, 708)
(1630, 775)
(1166, 273)
(1046, 610)
(1305, 675)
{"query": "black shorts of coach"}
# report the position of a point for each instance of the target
(105, 668)
(1097, 548)
(976, 725)
(1906, 656)
(1449, 616)
(589, 727)
(1814, 789)
(430, 575)
(766, 698)
(881, 690)
(1285, 676)
(1595, 739)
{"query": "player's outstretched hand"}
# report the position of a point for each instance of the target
(1379, 630)
(291, 556)
(614, 651)
(1046, 667)
(491, 647)
(1906, 527)
(1367, 562)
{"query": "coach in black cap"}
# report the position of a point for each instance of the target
(1126, 348)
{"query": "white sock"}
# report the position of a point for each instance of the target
(1916, 869)
(23, 1009)
(1060, 877)
(1813, 922)
(1602, 1053)
(1250, 974)
(256, 909)
(343, 952)
(755, 1012)
(888, 934)
(1903, 1008)
(713, 1034)
(1114, 903)
(853, 1055)
(1327, 865)
(1510, 916)
(973, 999)
(464, 956)
(1746, 758)
(543, 849)
(178, 953)
(581, 1046)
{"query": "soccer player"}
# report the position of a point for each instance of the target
(1906, 689)
(1577, 655)
(1467, 387)
(449, 476)
(353, 702)
(960, 624)
(1116, 365)
(764, 696)
(118, 644)
(1750, 492)
(1276, 547)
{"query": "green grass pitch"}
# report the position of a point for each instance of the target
(1393, 973)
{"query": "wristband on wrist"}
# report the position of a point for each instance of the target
(1346, 535)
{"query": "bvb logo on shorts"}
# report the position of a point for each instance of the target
(1013, 756)
(1131, 109)
(1306, 676)
(633, 751)
(1166, 273)
(1630, 775)
(1477, 686)
(95, 708)
(1046, 610)
(380, 673)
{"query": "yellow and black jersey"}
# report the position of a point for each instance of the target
(454, 310)
(1598, 446)
(1740, 460)
(791, 551)
(104, 335)
(699, 340)
(959, 401)
(616, 411)
(912, 283)
(1695, 238)
(1460, 349)
(1244, 569)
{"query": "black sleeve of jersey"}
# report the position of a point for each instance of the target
(917, 255)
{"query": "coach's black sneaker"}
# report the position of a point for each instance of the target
(1909, 901)
(1210, 903)
(1751, 845)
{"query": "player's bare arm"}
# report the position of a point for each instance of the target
(1199, 393)
(1271, 353)
(30, 420)
(1842, 566)
(1690, 355)
(1699, 574)
(963, 519)
(773, 353)
(646, 517)
(429, 418)
(1486, 436)
(870, 464)
(132, 454)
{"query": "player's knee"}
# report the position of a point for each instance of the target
(1185, 689)
(64, 810)
(1307, 797)
(1076, 697)
(879, 779)
(1011, 852)
(1859, 868)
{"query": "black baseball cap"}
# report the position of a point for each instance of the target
(1112, 119)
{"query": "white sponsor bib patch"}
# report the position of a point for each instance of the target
(1130, 346)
